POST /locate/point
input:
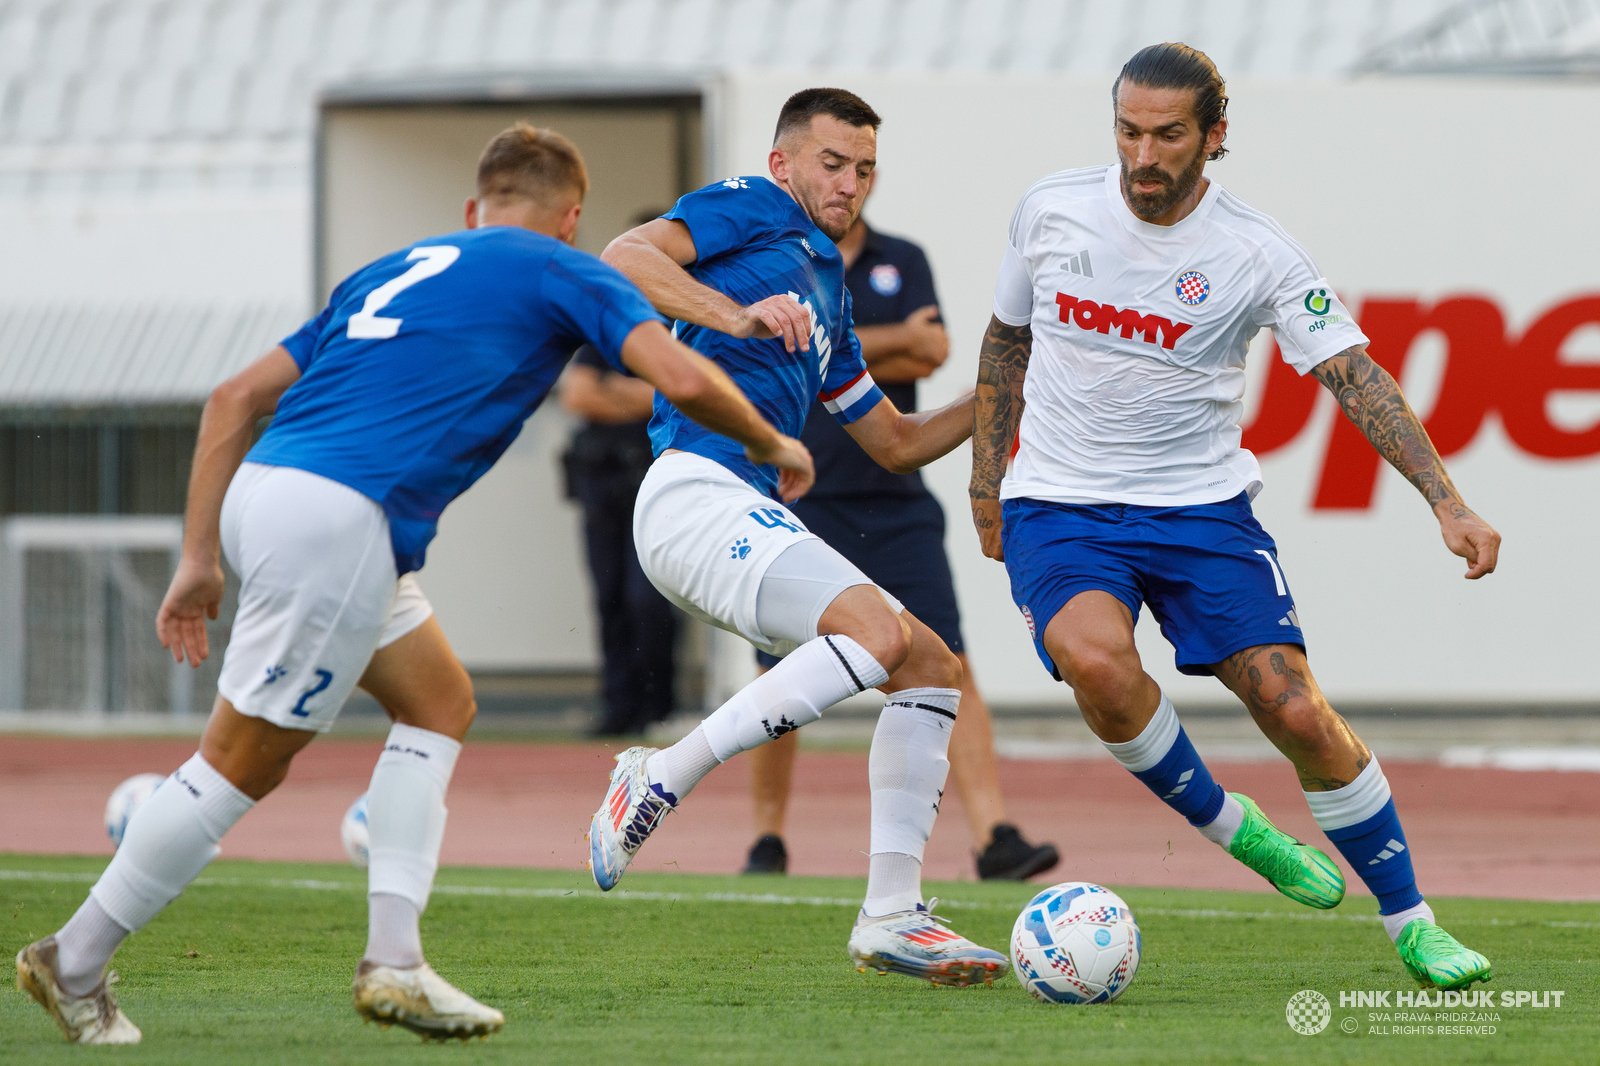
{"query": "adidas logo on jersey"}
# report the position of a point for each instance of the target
(1102, 318)
(1079, 264)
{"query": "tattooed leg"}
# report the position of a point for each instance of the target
(1344, 785)
(1275, 684)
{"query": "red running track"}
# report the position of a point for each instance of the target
(1504, 833)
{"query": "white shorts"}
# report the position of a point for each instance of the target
(317, 596)
(706, 540)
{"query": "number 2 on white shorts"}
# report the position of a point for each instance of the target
(365, 325)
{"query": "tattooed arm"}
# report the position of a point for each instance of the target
(1371, 399)
(997, 409)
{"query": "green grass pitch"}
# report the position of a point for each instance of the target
(253, 965)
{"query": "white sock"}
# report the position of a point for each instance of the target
(894, 884)
(815, 676)
(405, 828)
(1153, 742)
(907, 768)
(1394, 924)
(1352, 804)
(84, 946)
(1220, 830)
(676, 770)
(393, 937)
(168, 842)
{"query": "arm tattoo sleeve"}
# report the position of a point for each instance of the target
(997, 403)
(1370, 398)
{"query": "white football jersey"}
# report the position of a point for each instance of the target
(1136, 382)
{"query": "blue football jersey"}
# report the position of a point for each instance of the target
(422, 368)
(753, 241)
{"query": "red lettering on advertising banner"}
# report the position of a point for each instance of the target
(1485, 372)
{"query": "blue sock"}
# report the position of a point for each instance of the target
(1376, 849)
(1183, 782)
(1165, 760)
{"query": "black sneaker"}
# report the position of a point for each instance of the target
(767, 856)
(1011, 858)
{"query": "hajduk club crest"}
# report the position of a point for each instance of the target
(1193, 288)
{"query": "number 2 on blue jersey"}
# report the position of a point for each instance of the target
(365, 323)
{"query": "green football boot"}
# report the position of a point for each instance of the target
(1298, 870)
(1437, 959)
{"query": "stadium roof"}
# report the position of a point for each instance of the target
(138, 94)
(126, 98)
(73, 355)
(1516, 37)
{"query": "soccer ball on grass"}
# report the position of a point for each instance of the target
(1075, 943)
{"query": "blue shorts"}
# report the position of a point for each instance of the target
(1209, 572)
(897, 541)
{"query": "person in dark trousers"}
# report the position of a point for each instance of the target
(604, 466)
(891, 526)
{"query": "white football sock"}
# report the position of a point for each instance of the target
(815, 676)
(1394, 924)
(678, 769)
(84, 946)
(405, 828)
(168, 842)
(393, 936)
(894, 884)
(1221, 829)
(906, 768)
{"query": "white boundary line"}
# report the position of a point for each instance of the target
(741, 897)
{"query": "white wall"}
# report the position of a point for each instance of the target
(193, 246)
(1401, 189)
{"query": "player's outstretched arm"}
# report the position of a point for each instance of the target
(997, 411)
(226, 427)
(1371, 398)
(653, 257)
(906, 442)
(698, 387)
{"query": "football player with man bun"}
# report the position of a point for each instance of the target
(1126, 299)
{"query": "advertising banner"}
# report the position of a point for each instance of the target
(1455, 220)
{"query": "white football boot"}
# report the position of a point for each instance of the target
(91, 1019)
(630, 813)
(918, 943)
(422, 1001)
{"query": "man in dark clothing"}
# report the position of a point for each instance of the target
(892, 527)
(604, 466)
